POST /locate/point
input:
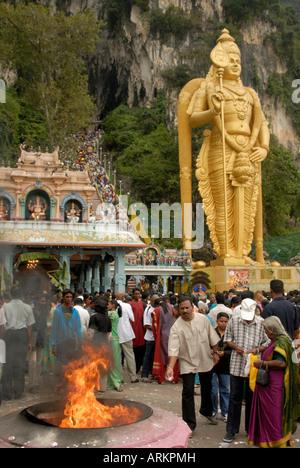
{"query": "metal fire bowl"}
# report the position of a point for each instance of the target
(28, 428)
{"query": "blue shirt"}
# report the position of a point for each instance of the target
(285, 311)
(63, 330)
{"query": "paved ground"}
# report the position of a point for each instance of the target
(167, 397)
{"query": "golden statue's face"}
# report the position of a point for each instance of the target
(233, 69)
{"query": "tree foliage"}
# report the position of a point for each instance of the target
(280, 188)
(9, 125)
(49, 53)
(174, 21)
(238, 11)
(147, 151)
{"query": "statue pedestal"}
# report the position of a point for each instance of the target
(228, 262)
(253, 277)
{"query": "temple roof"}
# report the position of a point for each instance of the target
(43, 233)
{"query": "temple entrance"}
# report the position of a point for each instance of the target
(32, 276)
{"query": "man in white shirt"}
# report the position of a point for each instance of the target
(83, 315)
(126, 335)
(149, 339)
(19, 319)
(194, 342)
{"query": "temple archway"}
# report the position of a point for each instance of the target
(78, 200)
(7, 206)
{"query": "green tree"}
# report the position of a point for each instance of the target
(238, 11)
(146, 151)
(174, 21)
(49, 53)
(9, 124)
(280, 188)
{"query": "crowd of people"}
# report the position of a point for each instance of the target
(83, 152)
(220, 341)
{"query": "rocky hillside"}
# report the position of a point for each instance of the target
(160, 44)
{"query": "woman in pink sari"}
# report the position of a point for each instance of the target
(275, 407)
(162, 321)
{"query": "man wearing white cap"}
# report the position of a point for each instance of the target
(244, 334)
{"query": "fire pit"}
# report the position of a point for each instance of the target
(52, 413)
(36, 427)
(83, 420)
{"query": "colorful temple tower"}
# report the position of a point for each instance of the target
(45, 206)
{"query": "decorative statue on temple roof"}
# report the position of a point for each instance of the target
(37, 209)
(73, 214)
(228, 167)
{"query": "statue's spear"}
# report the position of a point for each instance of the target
(219, 58)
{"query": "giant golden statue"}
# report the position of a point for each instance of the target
(228, 167)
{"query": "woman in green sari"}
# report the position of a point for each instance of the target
(114, 378)
(275, 407)
(48, 359)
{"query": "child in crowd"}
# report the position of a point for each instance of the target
(221, 376)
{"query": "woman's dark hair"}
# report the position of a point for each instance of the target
(164, 307)
(117, 306)
(161, 303)
(100, 304)
(173, 300)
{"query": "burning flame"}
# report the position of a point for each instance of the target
(83, 410)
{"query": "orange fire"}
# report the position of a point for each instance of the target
(83, 410)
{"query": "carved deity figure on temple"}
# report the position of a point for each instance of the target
(3, 211)
(37, 209)
(228, 167)
(73, 214)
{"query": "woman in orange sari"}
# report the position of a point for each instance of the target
(162, 321)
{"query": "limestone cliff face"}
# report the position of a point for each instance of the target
(129, 62)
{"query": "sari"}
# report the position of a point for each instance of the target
(48, 359)
(114, 378)
(276, 406)
(161, 326)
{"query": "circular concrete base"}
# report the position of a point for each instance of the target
(161, 429)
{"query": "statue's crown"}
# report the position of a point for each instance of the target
(228, 42)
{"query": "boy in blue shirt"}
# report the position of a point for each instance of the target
(66, 334)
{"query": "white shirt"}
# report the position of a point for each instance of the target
(236, 311)
(216, 310)
(124, 329)
(147, 320)
(84, 319)
(17, 315)
(191, 342)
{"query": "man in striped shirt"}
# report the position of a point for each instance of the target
(245, 335)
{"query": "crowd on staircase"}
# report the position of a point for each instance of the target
(83, 152)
